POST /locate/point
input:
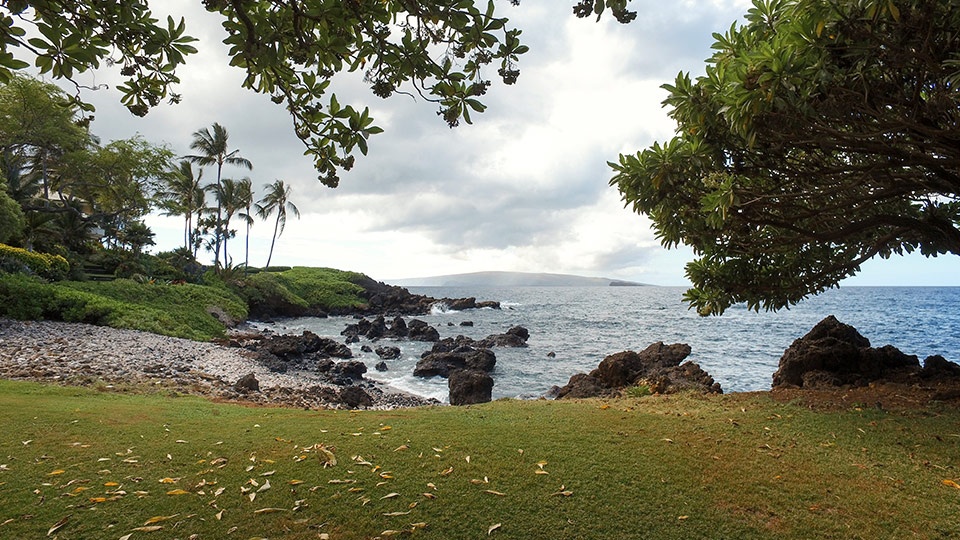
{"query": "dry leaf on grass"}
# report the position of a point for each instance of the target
(493, 528)
(58, 525)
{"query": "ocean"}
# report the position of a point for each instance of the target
(582, 325)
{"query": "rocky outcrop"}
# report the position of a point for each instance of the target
(836, 354)
(433, 364)
(514, 337)
(469, 386)
(378, 328)
(388, 353)
(392, 300)
(658, 367)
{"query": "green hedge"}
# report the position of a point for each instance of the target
(42, 264)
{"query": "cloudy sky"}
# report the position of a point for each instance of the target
(522, 189)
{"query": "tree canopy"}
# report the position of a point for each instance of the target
(823, 133)
(440, 50)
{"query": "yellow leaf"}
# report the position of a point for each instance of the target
(429, 495)
(951, 483)
(390, 532)
(401, 447)
(151, 528)
(493, 528)
(111, 484)
(390, 496)
(96, 500)
(540, 471)
(178, 492)
(497, 493)
(295, 482)
(604, 407)
(56, 472)
(562, 494)
(168, 480)
(446, 472)
(158, 519)
(682, 518)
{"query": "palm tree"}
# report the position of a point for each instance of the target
(276, 200)
(245, 200)
(182, 196)
(229, 202)
(213, 150)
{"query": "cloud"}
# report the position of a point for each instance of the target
(525, 188)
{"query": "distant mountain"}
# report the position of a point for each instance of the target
(512, 279)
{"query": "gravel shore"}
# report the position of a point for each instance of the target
(88, 355)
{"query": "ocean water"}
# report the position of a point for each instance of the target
(582, 325)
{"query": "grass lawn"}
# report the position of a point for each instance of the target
(77, 463)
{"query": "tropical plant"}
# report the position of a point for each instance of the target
(245, 202)
(182, 195)
(276, 200)
(823, 134)
(213, 148)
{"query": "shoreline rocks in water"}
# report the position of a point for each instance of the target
(88, 355)
(834, 354)
(658, 367)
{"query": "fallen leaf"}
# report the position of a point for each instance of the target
(564, 493)
(951, 483)
(126, 536)
(401, 447)
(446, 472)
(264, 487)
(468, 459)
(390, 532)
(269, 510)
(390, 496)
(295, 482)
(178, 492)
(158, 519)
(169, 480)
(394, 514)
(151, 528)
(540, 471)
(220, 515)
(429, 495)
(681, 518)
(493, 528)
(56, 472)
(58, 525)
(497, 493)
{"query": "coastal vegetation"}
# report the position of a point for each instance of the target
(83, 463)
(199, 311)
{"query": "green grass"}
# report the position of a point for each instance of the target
(171, 310)
(324, 289)
(738, 466)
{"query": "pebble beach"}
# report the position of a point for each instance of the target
(116, 359)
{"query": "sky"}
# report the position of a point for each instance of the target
(525, 188)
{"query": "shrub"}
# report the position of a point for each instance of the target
(42, 264)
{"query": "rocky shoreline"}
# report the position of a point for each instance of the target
(110, 358)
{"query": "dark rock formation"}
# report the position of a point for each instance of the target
(388, 353)
(442, 363)
(418, 330)
(469, 386)
(354, 396)
(381, 366)
(835, 354)
(247, 383)
(514, 337)
(352, 368)
(658, 366)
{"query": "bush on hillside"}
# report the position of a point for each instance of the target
(45, 265)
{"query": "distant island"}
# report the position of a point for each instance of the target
(513, 279)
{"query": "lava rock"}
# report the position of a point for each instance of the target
(248, 383)
(469, 386)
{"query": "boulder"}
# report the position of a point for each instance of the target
(443, 363)
(658, 366)
(469, 386)
(381, 366)
(835, 354)
(353, 397)
(248, 383)
(418, 330)
(352, 369)
(388, 353)
(514, 337)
